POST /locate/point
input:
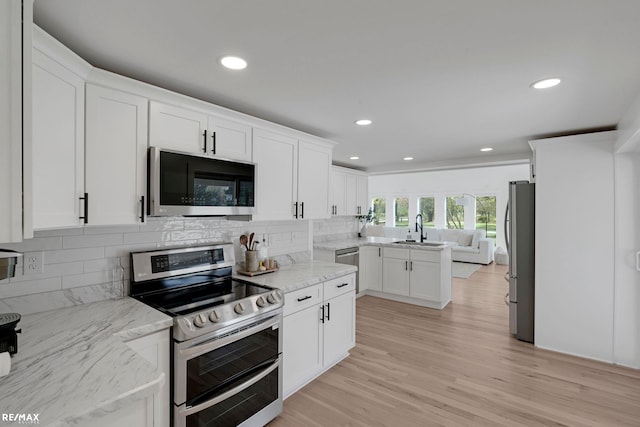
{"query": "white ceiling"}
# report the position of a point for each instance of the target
(440, 79)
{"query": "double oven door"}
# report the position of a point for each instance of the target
(231, 377)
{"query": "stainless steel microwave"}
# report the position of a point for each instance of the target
(199, 185)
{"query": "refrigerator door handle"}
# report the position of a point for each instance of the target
(506, 226)
(638, 260)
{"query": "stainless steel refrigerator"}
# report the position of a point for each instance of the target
(520, 239)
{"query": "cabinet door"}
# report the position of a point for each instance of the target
(176, 128)
(395, 276)
(229, 139)
(339, 327)
(362, 191)
(302, 348)
(314, 169)
(338, 192)
(276, 186)
(58, 144)
(425, 280)
(370, 268)
(155, 349)
(351, 192)
(116, 146)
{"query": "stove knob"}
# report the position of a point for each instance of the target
(200, 320)
(261, 302)
(214, 316)
(239, 308)
(274, 297)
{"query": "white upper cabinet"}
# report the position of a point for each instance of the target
(116, 147)
(292, 177)
(314, 169)
(276, 172)
(177, 128)
(349, 192)
(229, 139)
(58, 144)
(197, 132)
(15, 124)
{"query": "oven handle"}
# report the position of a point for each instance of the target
(209, 403)
(206, 346)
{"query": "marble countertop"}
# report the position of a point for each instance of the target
(300, 275)
(333, 245)
(73, 364)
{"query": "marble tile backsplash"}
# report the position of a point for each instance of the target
(91, 263)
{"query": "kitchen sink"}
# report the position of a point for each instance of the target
(413, 242)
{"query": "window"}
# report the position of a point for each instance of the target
(401, 212)
(426, 207)
(486, 214)
(379, 211)
(455, 213)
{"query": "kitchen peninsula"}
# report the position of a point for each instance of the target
(411, 272)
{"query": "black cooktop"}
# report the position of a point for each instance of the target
(200, 295)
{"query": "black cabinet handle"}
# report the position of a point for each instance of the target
(322, 318)
(304, 298)
(142, 209)
(379, 252)
(296, 214)
(343, 285)
(213, 137)
(86, 208)
(302, 209)
(205, 142)
(328, 311)
(406, 265)
(410, 265)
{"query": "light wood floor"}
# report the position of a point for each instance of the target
(415, 366)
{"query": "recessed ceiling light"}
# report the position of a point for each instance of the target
(233, 62)
(408, 158)
(354, 158)
(545, 83)
(363, 122)
(486, 149)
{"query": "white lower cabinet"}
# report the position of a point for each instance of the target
(417, 276)
(370, 268)
(154, 410)
(319, 330)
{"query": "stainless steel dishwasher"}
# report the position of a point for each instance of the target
(349, 256)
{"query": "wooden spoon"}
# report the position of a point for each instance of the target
(244, 240)
(251, 241)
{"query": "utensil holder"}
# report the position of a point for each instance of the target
(251, 260)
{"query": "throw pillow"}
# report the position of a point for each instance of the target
(464, 238)
(477, 235)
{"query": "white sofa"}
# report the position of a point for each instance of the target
(466, 245)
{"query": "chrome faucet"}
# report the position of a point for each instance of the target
(419, 225)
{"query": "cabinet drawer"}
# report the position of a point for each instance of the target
(425, 255)
(395, 253)
(302, 298)
(339, 286)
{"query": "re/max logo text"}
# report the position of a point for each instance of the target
(21, 418)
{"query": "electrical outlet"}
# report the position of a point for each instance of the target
(32, 263)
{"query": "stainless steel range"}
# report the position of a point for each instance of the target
(227, 340)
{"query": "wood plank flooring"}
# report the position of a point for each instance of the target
(414, 366)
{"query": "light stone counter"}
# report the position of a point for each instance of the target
(72, 363)
(333, 245)
(300, 275)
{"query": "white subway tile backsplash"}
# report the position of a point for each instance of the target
(85, 279)
(68, 255)
(89, 241)
(79, 262)
(15, 289)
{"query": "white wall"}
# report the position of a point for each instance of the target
(492, 180)
(575, 245)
